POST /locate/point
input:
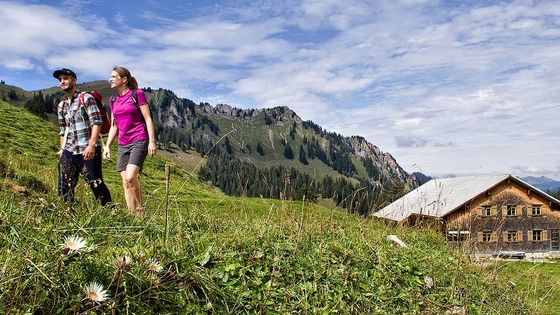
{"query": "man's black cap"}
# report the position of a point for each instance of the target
(69, 72)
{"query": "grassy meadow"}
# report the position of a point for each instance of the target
(538, 283)
(215, 253)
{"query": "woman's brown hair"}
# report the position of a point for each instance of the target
(131, 82)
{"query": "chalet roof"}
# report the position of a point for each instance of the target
(439, 197)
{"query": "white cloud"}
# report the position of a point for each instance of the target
(535, 170)
(340, 15)
(94, 62)
(410, 141)
(17, 63)
(31, 32)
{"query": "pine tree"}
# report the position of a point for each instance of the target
(36, 105)
(302, 157)
(12, 95)
(227, 145)
(288, 153)
(36, 108)
(293, 131)
(260, 149)
(555, 194)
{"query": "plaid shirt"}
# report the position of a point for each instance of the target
(79, 120)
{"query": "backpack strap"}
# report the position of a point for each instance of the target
(81, 99)
(134, 97)
(112, 101)
(82, 103)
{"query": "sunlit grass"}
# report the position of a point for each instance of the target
(223, 254)
(538, 283)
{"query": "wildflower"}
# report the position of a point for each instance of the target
(429, 282)
(154, 266)
(95, 293)
(257, 255)
(72, 244)
(123, 262)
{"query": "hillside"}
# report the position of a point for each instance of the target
(274, 140)
(13, 94)
(543, 183)
(219, 254)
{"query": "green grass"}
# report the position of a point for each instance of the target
(222, 254)
(538, 283)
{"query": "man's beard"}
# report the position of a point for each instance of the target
(69, 87)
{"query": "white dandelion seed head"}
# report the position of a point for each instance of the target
(73, 244)
(154, 266)
(95, 293)
(429, 282)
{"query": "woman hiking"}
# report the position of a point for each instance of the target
(133, 124)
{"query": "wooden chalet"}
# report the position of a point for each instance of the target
(492, 213)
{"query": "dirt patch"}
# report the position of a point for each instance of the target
(33, 184)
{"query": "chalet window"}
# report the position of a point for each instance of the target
(452, 236)
(511, 210)
(512, 236)
(536, 210)
(486, 236)
(486, 211)
(537, 235)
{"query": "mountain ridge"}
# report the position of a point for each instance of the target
(543, 183)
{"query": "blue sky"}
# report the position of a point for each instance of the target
(446, 87)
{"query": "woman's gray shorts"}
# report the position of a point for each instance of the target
(134, 153)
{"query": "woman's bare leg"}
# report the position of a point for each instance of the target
(132, 191)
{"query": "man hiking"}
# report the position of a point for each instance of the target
(80, 123)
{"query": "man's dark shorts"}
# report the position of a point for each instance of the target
(134, 153)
